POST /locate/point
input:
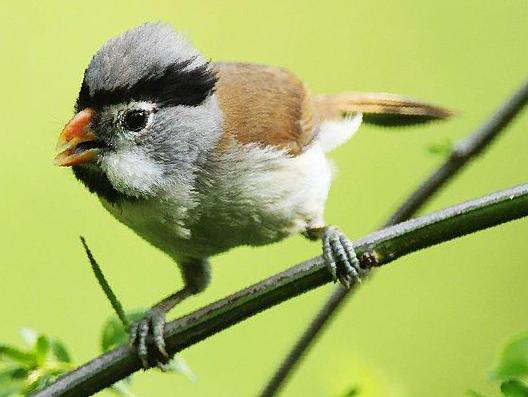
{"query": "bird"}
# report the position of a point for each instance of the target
(198, 157)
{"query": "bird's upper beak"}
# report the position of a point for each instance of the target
(77, 143)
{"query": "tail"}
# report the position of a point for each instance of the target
(388, 110)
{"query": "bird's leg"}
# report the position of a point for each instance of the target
(153, 324)
(338, 254)
(196, 275)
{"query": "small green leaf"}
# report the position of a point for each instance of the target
(12, 374)
(42, 349)
(114, 334)
(60, 351)
(513, 360)
(514, 388)
(178, 365)
(10, 353)
(120, 389)
(442, 149)
(12, 381)
(30, 336)
(45, 380)
(128, 380)
(35, 368)
(56, 372)
(36, 384)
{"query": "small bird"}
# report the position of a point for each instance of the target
(199, 157)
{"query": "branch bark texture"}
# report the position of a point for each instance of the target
(387, 245)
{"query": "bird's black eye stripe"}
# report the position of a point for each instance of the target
(174, 85)
(135, 120)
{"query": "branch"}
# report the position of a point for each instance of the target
(465, 151)
(388, 245)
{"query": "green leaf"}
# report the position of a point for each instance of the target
(12, 374)
(33, 371)
(121, 390)
(513, 360)
(12, 381)
(514, 388)
(60, 351)
(10, 353)
(37, 384)
(42, 349)
(56, 372)
(114, 334)
(29, 335)
(178, 365)
(442, 149)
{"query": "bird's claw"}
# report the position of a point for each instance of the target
(340, 258)
(152, 324)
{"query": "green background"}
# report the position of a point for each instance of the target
(428, 325)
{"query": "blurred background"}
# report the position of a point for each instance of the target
(429, 324)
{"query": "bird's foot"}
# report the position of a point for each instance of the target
(151, 325)
(340, 258)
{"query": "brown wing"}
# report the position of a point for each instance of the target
(265, 105)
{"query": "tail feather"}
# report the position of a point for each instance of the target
(378, 108)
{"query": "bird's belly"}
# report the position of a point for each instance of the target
(263, 195)
(256, 201)
(213, 233)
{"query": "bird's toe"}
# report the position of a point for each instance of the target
(152, 326)
(340, 257)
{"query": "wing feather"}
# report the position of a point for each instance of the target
(265, 105)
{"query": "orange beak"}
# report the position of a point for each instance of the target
(76, 132)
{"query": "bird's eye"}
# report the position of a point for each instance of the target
(135, 120)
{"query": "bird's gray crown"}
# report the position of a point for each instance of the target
(151, 62)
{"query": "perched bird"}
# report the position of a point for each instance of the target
(199, 157)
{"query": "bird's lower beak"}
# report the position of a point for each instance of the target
(77, 143)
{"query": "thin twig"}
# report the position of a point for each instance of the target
(105, 286)
(387, 245)
(465, 151)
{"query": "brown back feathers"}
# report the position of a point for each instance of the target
(266, 105)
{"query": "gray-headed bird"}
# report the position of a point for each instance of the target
(199, 157)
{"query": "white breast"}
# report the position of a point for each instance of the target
(249, 195)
